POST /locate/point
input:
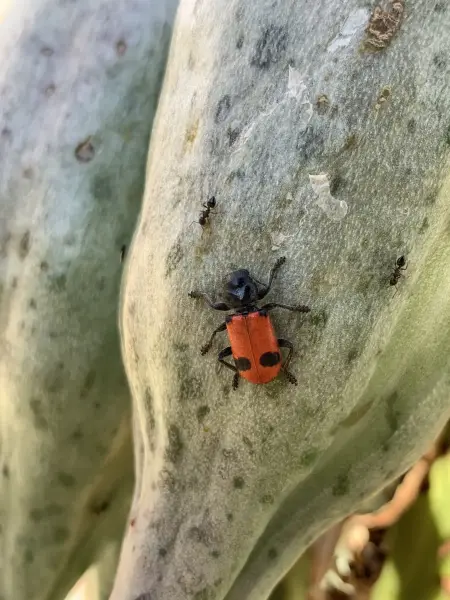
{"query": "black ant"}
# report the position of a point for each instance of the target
(204, 214)
(396, 274)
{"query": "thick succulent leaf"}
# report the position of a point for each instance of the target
(79, 84)
(233, 485)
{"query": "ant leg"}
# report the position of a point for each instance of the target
(204, 349)
(298, 308)
(224, 354)
(287, 344)
(273, 272)
(207, 299)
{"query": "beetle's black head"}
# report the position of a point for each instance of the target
(401, 261)
(211, 203)
(241, 289)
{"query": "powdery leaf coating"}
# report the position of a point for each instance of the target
(373, 367)
(66, 470)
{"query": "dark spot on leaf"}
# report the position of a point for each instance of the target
(173, 258)
(440, 7)
(240, 42)
(101, 187)
(248, 443)
(341, 485)
(162, 552)
(5, 471)
(215, 554)
(32, 303)
(269, 359)
(121, 47)
(44, 266)
(175, 447)
(229, 517)
(336, 184)
(238, 483)
(60, 535)
(233, 135)
(85, 151)
(242, 363)
(309, 457)
(39, 420)
(424, 226)
(223, 108)
(352, 355)
(24, 245)
(202, 411)
(88, 383)
(319, 319)
(272, 553)
(392, 412)
(100, 507)
(267, 499)
(65, 479)
(47, 51)
(29, 556)
(411, 126)
(58, 282)
(439, 60)
(447, 135)
(77, 434)
(270, 47)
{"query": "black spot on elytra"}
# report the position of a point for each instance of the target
(341, 485)
(202, 411)
(173, 258)
(101, 188)
(5, 471)
(269, 359)
(175, 448)
(242, 364)
(215, 554)
(88, 383)
(60, 535)
(39, 420)
(267, 499)
(238, 483)
(272, 553)
(24, 245)
(233, 135)
(65, 479)
(223, 108)
(270, 47)
(162, 552)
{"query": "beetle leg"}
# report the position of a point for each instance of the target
(298, 308)
(207, 346)
(207, 299)
(273, 272)
(287, 344)
(224, 354)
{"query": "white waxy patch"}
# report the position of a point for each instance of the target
(354, 23)
(333, 208)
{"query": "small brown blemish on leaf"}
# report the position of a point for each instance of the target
(383, 25)
(85, 151)
(322, 104)
(382, 97)
(121, 47)
(238, 483)
(191, 134)
(46, 51)
(28, 173)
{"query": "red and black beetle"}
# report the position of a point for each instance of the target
(253, 344)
